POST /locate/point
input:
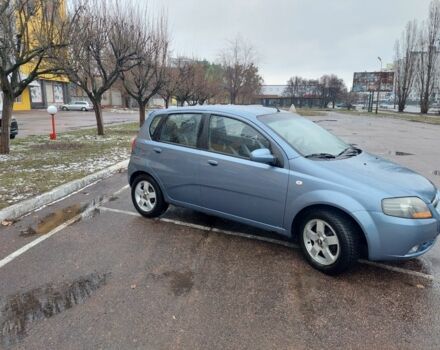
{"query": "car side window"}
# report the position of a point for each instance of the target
(182, 129)
(232, 136)
(154, 124)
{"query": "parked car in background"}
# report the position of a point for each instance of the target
(77, 106)
(345, 105)
(14, 127)
(283, 173)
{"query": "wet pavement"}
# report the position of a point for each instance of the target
(115, 280)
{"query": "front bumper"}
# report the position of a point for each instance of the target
(392, 238)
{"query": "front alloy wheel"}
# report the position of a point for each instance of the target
(330, 240)
(321, 242)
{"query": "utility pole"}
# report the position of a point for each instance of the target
(380, 82)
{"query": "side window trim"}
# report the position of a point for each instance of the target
(155, 136)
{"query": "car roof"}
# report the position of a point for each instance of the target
(246, 111)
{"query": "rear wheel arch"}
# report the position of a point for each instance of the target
(302, 213)
(141, 172)
(138, 173)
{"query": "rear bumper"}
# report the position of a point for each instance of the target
(392, 238)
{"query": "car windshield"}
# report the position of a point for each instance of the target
(305, 136)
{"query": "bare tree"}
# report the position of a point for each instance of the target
(103, 39)
(186, 70)
(332, 88)
(405, 64)
(427, 52)
(146, 79)
(169, 86)
(192, 81)
(31, 32)
(293, 86)
(240, 69)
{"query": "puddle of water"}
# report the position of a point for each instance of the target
(18, 311)
(49, 222)
(180, 283)
(399, 153)
(325, 120)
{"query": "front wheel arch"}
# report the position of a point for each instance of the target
(299, 217)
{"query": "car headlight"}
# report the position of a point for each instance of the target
(406, 207)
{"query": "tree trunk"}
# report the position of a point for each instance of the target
(424, 103)
(98, 114)
(8, 103)
(401, 106)
(233, 98)
(167, 102)
(141, 113)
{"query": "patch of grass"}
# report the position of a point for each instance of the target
(311, 112)
(36, 165)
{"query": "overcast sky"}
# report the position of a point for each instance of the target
(294, 37)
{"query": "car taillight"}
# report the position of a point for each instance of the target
(133, 143)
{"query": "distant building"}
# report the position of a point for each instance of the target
(307, 95)
(48, 89)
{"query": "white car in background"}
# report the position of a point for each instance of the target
(77, 106)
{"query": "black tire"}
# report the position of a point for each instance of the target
(12, 137)
(83, 109)
(160, 206)
(347, 234)
(64, 108)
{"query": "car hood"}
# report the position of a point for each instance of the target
(382, 174)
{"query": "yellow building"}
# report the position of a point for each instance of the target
(47, 90)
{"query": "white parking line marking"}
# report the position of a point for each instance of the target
(400, 270)
(126, 212)
(121, 190)
(42, 238)
(28, 246)
(276, 241)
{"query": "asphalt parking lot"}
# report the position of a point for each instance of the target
(38, 122)
(111, 279)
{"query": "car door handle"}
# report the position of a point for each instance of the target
(157, 150)
(212, 162)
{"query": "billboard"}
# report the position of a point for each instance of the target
(371, 81)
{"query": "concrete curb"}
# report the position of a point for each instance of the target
(17, 210)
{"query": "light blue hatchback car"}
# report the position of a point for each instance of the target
(284, 173)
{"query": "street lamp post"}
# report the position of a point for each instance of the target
(380, 82)
(52, 110)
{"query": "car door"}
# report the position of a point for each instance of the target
(234, 185)
(174, 157)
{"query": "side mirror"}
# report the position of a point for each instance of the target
(263, 155)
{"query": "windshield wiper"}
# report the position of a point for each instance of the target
(349, 151)
(320, 155)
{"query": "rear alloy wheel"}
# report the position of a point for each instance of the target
(147, 197)
(329, 241)
(83, 109)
